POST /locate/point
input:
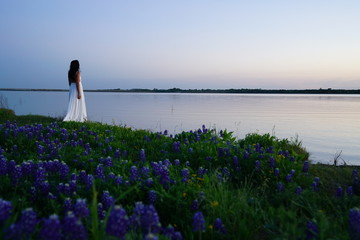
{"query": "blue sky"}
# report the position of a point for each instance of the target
(187, 44)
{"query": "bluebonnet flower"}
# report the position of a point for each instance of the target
(118, 222)
(40, 175)
(142, 155)
(28, 221)
(315, 187)
(101, 211)
(339, 192)
(350, 191)
(64, 170)
(198, 222)
(246, 155)
(354, 223)
(306, 166)
(170, 233)
(298, 190)
(16, 174)
(177, 162)
(270, 149)
(5, 210)
(107, 161)
(26, 168)
(185, 175)
(150, 221)
(117, 154)
(289, 177)
(311, 230)
(149, 182)
(145, 171)
(150, 236)
(51, 228)
(152, 196)
(277, 172)
(107, 200)
(257, 165)
(99, 172)
(176, 146)
(317, 180)
(272, 162)
(187, 163)
(68, 205)
(73, 227)
(280, 187)
(354, 173)
(134, 174)
(219, 226)
(236, 161)
(3, 166)
(221, 152)
(80, 208)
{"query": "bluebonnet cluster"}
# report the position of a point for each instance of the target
(68, 165)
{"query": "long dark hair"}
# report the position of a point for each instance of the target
(74, 68)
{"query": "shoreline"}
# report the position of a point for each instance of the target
(216, 91)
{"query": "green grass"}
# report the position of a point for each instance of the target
(246, 200)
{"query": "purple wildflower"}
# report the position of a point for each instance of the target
(298, 190)
(176, 162)
(134, 174)
(117, 224)
(176, 146)
(80, 208)
(315, 187)
(350, 191)
(150, 236)
(152, 196)
(101, 211)
(68, 206)
(272, 162)
(185, 175)
(280, 187)
(51, 228)
(99, 172)
(198, 222)
(339, 192)
(73, 227)
(28, 221)
(5, 210)
(150, 221)
(311, 230)
(306, 166)
(354, 223)
(257, 165)
(219, 226)
(276, 172)
(142, 155)
(107, 200)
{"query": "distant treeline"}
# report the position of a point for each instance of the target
(242, 90)
(231, 90)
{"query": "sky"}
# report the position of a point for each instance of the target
(188, 44)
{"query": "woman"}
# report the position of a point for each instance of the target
(77, 108)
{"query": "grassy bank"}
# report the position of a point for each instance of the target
(96, 181)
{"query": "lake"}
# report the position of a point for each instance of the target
(327, 125)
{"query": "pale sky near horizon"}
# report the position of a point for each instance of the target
(188, 44)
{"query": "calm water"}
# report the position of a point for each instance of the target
(326, 124)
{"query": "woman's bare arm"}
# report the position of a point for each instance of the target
(77, 78)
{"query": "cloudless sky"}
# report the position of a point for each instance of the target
(188, 44)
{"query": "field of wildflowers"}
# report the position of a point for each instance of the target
(66, 180)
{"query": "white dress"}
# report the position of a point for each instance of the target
(77, 108)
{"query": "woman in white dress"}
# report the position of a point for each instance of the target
(77, 108)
